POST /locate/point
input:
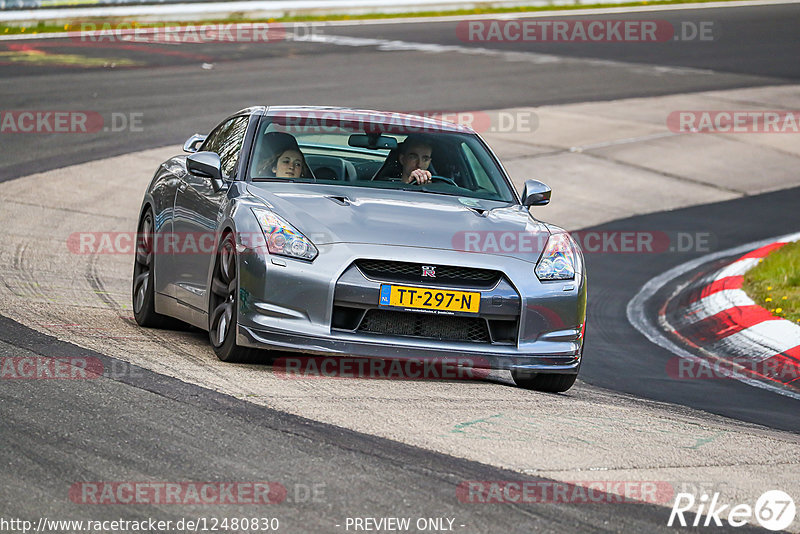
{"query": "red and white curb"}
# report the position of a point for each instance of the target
(724, 325)
(721, 319)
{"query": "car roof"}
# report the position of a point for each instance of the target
(410, 120)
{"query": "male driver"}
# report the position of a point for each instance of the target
(414, 158)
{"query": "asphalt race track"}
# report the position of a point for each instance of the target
(199, 435)
(174, 414)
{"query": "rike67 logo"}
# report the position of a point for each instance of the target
(774, 510)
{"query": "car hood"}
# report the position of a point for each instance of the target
(332, 214)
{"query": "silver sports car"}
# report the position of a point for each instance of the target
(342, 232)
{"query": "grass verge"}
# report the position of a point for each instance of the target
(775, 282)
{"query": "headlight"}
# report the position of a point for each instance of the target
(558, 259)
(283, 238)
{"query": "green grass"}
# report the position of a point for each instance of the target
(51, 27)
(775, 282)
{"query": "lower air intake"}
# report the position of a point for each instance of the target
(427, 326)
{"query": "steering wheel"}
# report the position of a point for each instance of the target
(443, 179)
(433, 177)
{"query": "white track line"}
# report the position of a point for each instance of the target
(387, 45)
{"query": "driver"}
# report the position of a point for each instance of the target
(415, 157)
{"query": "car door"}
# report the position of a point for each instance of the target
(197, 211)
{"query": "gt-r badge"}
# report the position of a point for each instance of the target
(429, 271)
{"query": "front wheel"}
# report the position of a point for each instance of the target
(223, 306)
(547, 382)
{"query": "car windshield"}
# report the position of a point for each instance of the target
(341, 151)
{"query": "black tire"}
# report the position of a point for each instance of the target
(547, 382)
(143, 286)
(223, 305)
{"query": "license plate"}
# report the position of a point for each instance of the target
(420, 298)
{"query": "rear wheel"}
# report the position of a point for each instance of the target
(547, 382)
(143, 287)
(223, 306)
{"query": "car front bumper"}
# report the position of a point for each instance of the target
(343, 344)
(287, 304)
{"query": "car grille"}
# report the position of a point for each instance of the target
(422, 325)
(401, 271)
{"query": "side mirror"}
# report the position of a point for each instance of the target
(205, 164)
(192, 144)
(535, 193)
